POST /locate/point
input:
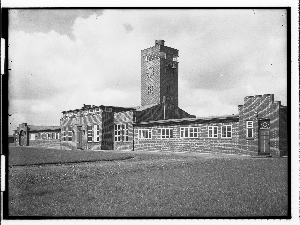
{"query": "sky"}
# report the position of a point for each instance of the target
(62, 59)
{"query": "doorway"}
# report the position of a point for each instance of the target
(264, 137)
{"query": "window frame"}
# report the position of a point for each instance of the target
(69, 133)
(251, 127)
(89, 133)
(125, 132)
(212, 127)
(183, 132)
(165, 135)
(118, 132)
(150, 90)
(30, 138)
(141, 136)
(226, 131)
(96, 133)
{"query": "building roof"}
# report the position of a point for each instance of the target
(43, 128)
(141, 108)
(233, 118)
(98, 106)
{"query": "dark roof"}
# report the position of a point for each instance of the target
(233, 118)
(43, 128)
(141, 108)
(99, 106)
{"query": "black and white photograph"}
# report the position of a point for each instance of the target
(171, 113)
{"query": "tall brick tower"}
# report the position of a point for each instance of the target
(159, 74)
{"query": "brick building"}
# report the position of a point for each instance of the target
(37, 136)
(159, 124)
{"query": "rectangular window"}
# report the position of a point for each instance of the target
(164, 133)
(49, 136)
(227, 131)
(249, 129)
(145, 134)
(150, 90)
(188, 132)
(69, 133)
(118, 129)
(96, 133)
(32, 136)
(125, 132)
(213, 131)
(89, 133)
(63, 134)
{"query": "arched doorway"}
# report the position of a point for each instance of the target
(22, 138)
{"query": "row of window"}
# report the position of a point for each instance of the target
(44, 136)
(186, 132)
(93, 133)
(121, 132)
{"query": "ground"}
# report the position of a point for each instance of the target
(146, 185)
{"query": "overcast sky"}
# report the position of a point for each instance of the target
(62, 59)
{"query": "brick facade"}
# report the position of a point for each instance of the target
(160, 71)
(261, 107)
(37, 136)
(76, 123)
(201, 143)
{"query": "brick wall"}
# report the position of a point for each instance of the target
(202, 143)
(83, 121)
(123, 118)
(164, 79)
(255, 108)
(283, 132)
(107, 131)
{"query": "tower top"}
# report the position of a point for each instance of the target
(159, 42)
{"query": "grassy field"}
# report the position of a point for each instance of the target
(151, 185)
(33, 156)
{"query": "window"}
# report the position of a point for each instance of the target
(91, 110)
(188, 132)
(213, 131)
(89, 133)
(32, 136)
(227, 131)
(145, 134)
(249, 129)
(64, 138)
(69, 133)
(168, 89)
(49, 136)
(150, 90)
(96, 133)
(118, 129)
(164, 133)
(125, 132)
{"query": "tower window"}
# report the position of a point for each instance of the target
(168, 89)
(150, 90)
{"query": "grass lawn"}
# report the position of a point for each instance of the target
(21, 156)
(151, 185)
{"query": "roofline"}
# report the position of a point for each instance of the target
(234, 118)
